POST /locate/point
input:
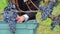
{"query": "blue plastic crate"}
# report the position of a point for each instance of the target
(28, 27)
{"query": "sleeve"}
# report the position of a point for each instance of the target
(25, 0)
(26, 17)
(32, 15)
(29, 16)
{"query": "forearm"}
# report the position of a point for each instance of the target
(30, 16)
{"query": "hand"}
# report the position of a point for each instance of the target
(20, 19)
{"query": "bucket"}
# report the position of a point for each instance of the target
(28, 27)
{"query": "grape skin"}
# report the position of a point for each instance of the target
(47, 10)
(55, 22)
(10, 14)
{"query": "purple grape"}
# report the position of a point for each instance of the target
(47, 10)
(55, 22)
(10, 14)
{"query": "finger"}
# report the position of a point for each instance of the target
(20, 21)
(17, 17)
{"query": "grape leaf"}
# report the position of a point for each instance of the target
(56, 10)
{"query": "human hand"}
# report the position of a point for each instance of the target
(20, 19)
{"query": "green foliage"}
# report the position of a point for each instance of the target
(3, 4)
(44, 26)
(59, 0)
(45, 22)
(42, 3)
(56, 10)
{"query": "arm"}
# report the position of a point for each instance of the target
(25, 17)
(32, 15)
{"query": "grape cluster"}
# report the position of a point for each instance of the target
(10, 14)
(55, 21)
(47, 10)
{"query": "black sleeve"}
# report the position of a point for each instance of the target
(32, 15)
(36, 2)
